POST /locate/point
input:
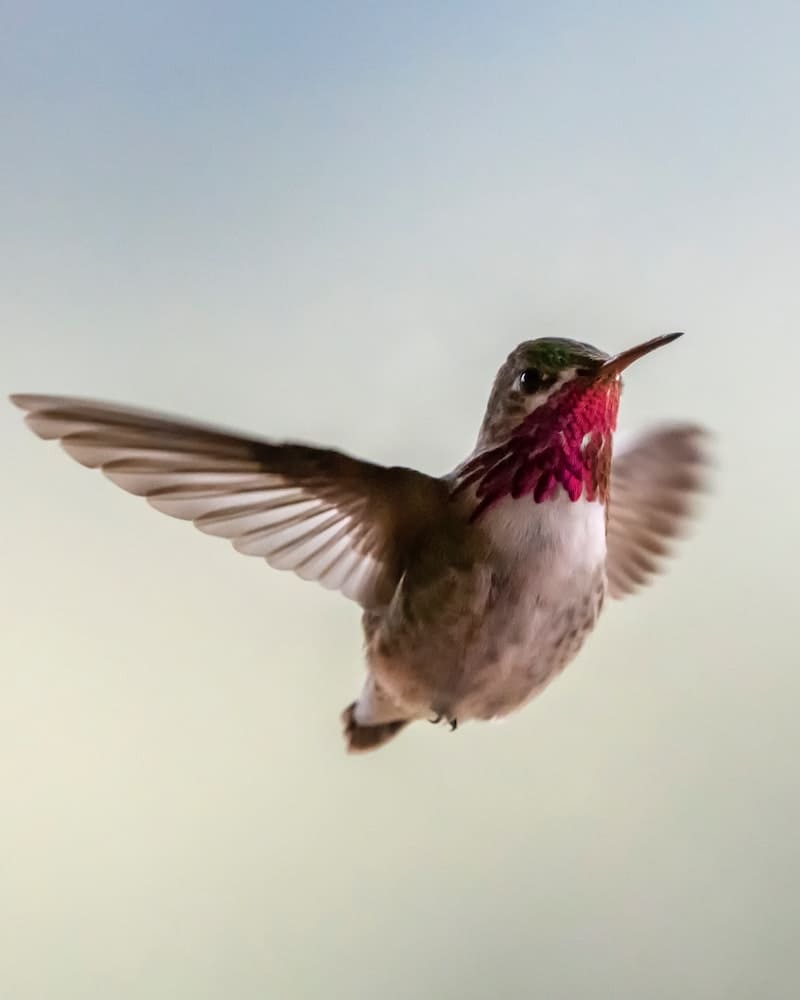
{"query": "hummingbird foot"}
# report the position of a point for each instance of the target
(439, 717)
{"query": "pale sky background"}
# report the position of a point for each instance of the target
(332, 221)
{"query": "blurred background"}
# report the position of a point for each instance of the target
(332, 221)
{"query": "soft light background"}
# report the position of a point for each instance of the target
(331, 221)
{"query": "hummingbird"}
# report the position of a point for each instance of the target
(477, 587)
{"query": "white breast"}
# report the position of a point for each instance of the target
(550, 558)
(558, 539)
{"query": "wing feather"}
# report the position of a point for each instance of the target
(320, 513)
(654, 485)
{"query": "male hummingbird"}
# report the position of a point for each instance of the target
(477, 587)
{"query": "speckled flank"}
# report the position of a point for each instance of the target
(477, 640)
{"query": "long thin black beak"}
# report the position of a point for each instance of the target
(621, 361)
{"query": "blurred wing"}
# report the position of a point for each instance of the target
(654, 482)
(322, 514)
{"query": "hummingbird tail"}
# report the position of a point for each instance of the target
(360, 738)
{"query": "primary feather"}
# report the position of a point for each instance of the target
(326, 516)
(654, 482)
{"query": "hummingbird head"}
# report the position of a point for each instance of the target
(550, 421)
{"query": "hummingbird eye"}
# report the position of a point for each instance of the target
(530, 381)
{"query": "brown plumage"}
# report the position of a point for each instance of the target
(462, 620)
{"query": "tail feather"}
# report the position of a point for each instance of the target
(360, 738)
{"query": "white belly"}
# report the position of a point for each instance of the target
(550, 561)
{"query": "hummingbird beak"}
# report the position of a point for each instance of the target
(621, 361)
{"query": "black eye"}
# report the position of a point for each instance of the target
(530, 381)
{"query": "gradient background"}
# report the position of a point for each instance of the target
(331, 221)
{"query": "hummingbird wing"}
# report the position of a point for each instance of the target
(324, 515)
(654, 482)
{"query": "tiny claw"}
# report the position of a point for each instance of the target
(453, 725)
(436, 719)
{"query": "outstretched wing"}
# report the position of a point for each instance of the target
(324, 515)
(654, 482)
